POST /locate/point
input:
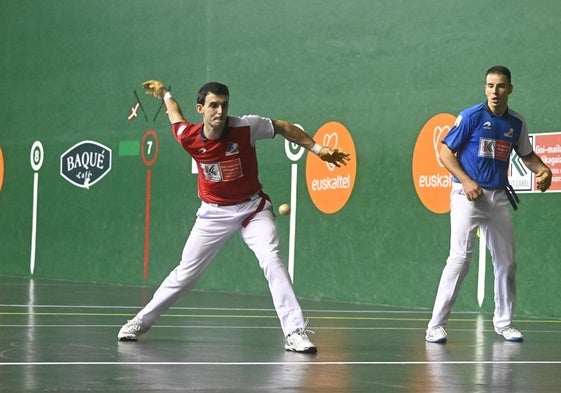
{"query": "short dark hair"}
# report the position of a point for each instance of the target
(501, 70)
(211, 87)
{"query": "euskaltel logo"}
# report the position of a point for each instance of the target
(432, 180)
(330, 187)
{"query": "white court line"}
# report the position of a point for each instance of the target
(311, 363)
(292, 222)
(456, 317)
(226, 327)
(345, 311)
(34, 223)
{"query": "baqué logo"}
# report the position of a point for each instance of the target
(85, 163)
(330, 187)
(432, 181)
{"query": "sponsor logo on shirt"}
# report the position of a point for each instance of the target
(232, 148)
(458, 121)
(222, 171)
(181, 129)
(496, 149)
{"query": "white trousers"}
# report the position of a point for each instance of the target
(213, 227)
(492, 214)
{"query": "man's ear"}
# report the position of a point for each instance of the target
(199, 108)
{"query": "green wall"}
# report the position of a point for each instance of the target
(382, 68)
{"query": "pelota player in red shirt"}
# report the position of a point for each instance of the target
(232, 200)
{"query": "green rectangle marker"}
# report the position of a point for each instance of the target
(129, 148)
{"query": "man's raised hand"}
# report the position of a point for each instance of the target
(155, 89)
(334, 156)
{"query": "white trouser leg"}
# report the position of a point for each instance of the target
(261, 236)
(501, 244)
(206, 239)
(492, 213)
(464, 220)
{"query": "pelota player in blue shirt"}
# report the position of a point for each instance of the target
(476, 151)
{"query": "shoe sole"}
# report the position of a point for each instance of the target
(307, 350)
(127, 338)
(438, 341)
(512, 340)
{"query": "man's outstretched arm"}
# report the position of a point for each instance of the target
(157, 90)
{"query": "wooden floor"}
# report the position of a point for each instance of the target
(61, 337)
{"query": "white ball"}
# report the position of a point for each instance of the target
(284, 209)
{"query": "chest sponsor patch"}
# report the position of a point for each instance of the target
(492, 148)
(232, 149)
(223, 171)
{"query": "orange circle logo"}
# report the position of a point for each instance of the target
(432, 181)
(330, 187)
(1, 169)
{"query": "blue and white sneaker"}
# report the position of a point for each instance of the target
(510, 334)
(131, 330)
(298, 341)
(436, 335)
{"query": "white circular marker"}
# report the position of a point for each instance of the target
(36, 156)
(294, 151)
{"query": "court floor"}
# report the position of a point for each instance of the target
(61, 337)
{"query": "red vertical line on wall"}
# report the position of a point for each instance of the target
(147, 222)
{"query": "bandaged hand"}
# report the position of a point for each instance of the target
(334, 156)
(544, 179)
(155, 89)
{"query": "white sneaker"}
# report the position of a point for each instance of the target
(436, 335)
(510, 334)
(131, 330)
(298, 341)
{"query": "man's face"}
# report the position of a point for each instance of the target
(497, 90)
(214, 111)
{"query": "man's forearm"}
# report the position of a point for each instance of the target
(534, 163)
(172, 108)
(293, 134)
